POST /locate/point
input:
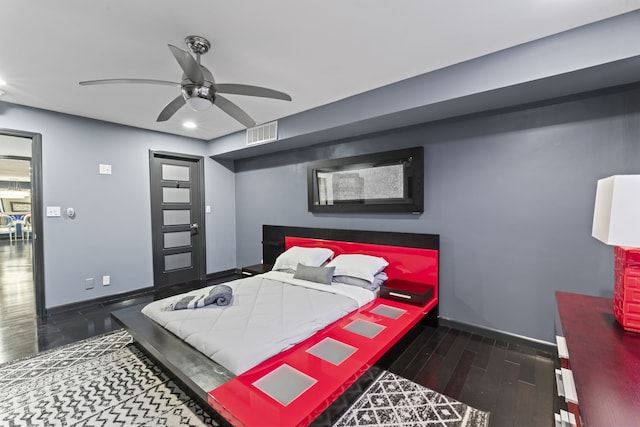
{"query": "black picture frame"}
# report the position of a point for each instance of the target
(386, 182)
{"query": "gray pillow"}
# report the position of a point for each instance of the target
(378, 280)
(314, 274)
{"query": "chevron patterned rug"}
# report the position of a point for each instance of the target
(107, 381)
(102, 381)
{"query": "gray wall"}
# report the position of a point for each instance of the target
(111, 234)
(510, 193)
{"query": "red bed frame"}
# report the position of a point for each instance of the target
(242, 404)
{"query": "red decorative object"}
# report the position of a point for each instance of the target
(626, 295)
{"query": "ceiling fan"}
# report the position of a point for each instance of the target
(198, 88)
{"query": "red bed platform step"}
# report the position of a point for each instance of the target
(294, 387)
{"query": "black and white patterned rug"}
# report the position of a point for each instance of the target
(395, 401)
(107, 381)
(103, 381)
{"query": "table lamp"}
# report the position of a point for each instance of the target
(616, 221)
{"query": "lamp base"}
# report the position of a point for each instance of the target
(626, 294)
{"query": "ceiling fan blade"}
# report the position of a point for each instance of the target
(118, 81)
(171, 109)
(189, 65)
(234, 111)
(248, 90)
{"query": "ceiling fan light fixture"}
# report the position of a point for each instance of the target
(199, 98)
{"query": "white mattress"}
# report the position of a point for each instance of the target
(270, 313)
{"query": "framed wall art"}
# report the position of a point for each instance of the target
(391, 181)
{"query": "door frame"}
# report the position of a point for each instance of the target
(37, 215)
(201, 249)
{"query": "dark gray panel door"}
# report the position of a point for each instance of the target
(177, 218)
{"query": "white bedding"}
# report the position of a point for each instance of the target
(270, 313)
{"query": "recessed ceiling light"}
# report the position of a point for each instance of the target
(2, 82)
(2, 92)
(189, 125)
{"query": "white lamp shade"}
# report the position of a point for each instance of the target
(616, 215)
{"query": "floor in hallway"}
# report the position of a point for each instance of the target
(18, 324)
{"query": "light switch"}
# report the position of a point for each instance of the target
(105, 169)
(208, 209)
(53, 211)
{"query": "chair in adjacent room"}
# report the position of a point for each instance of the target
(26, 226)
(8, 226)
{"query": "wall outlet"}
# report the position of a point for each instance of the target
(88, 283)
(106, 280)
(104, 169)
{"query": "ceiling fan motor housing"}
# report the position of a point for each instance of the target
(199, 98)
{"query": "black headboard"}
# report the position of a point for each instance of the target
(273, 238)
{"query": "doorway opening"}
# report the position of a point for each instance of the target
(21, 206)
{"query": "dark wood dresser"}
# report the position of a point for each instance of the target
(601, 359)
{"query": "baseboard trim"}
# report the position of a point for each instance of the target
(116, 298)
(97, 302)
(224, 273)
(500, 335)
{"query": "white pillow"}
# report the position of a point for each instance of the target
(312, 257)
(378, 280)
(358, 265)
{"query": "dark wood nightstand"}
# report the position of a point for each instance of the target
(252, 270)
(408, 292)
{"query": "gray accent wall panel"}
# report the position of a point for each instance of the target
(510, 193)
(111, 233)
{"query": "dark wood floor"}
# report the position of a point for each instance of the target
(513, 381)
(18, 325)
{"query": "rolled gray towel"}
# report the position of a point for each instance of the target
(218, 295)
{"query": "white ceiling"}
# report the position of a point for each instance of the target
(318, 52)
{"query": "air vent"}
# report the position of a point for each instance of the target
(261, 134)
